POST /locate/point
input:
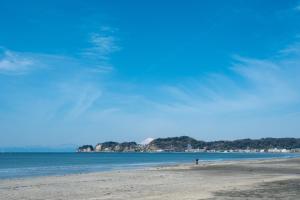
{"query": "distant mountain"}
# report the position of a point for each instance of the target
(118, 147)
(147, 141)
(264, 143)
(183, 143)
(174, 143)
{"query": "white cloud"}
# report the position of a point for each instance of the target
(96, 58)
(254, 85)
(102, 47)
(15, 63)
(21, 63)
(292, 50)
(103, 44)
(74, 97)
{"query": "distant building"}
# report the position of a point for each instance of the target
(98, 147)
(276, 150)
(297, 150)
(189, 147)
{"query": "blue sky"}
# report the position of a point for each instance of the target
(91, 71)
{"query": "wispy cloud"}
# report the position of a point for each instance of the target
(68, 92)
(254, 85)
(15, 63)
(102, 45)
(96, 58)
(23, 63)
(292, 50)
(73, 85)
(77, 97)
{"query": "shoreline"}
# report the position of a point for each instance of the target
(252, 179)
(145, 166)
(141, 166)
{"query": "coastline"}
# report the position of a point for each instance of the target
(59, 164)
(252, 179)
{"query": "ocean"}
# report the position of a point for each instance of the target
(21, 165)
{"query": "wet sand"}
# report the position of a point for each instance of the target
(234, 180)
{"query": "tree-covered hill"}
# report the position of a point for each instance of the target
(179, 144)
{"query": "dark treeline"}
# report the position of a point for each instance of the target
(180, 143)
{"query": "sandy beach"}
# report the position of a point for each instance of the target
(256, 179)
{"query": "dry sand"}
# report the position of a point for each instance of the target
(235, 180)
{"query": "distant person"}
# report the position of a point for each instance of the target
(197, 161)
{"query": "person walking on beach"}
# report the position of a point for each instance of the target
(197, 161)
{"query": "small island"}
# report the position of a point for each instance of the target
(188, 144)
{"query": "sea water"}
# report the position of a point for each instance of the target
(20, 165)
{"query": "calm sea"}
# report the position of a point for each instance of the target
(19, 165)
